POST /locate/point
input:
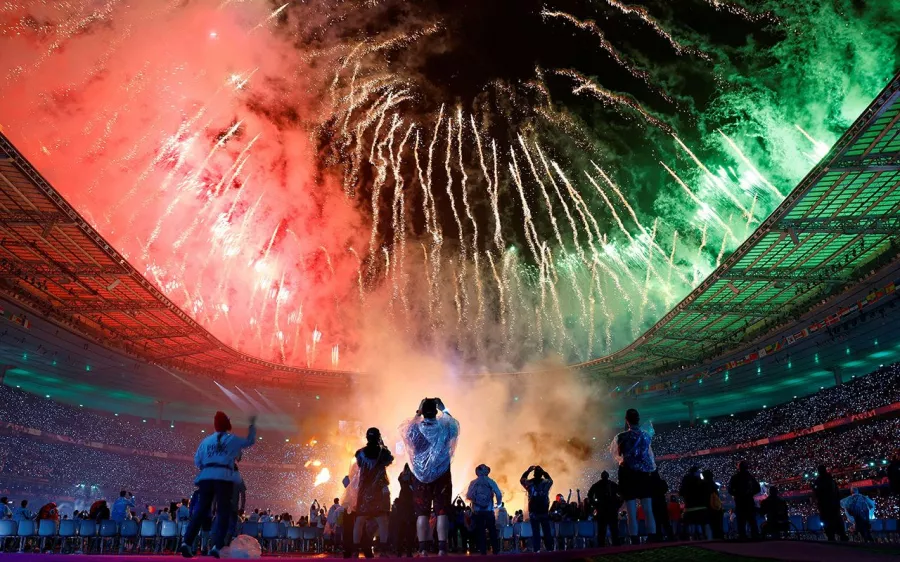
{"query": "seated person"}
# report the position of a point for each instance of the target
(775, 510)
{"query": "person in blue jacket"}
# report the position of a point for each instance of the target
(215, 458)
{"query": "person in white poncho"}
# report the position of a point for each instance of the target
(859, 509)
(430, 437)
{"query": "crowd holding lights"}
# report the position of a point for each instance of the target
(857, 395)
(282, 476)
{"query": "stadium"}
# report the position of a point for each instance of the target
(708, 361)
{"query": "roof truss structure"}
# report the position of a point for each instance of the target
(54, 262)
(839, 223)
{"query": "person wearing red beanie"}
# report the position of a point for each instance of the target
(216, 457)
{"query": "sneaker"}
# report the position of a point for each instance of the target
(422, 554)
(442, 553)
(185, 550)
(214, 552)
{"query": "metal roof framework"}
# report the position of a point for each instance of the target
(841, 222)
(54, 262)
(831, 230)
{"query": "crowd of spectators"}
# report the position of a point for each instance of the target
(854, 396)
(47, 469)
(82, 424)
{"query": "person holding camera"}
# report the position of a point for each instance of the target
(373, 494)
(122, 506)
(430, 437)
(538, 489)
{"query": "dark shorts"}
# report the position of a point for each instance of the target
(437, 494)
(634, 484)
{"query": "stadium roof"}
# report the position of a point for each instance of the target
(835, 226)
(841, 222)
(52, 260)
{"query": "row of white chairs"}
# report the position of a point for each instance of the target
(279, 537)
(90, 536)
(565, 534)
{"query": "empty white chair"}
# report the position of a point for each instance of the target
(46, 530)
(86, 532)
(109, 531)
(128, 532)
(25, 531)
(68, 530)
(587, 533)
(148, 533)
(8, 530)
(270, 533)
(168, 530)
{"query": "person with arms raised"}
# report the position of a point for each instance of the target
(430, 437)
(538, 489)
(215, 458)
(373, 496)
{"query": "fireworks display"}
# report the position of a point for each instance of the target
(492, 181)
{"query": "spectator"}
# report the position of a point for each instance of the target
(373, 493)
(406, 517)
(49, 512)
(332, 529)
(894, 477)
(121, 506)
(604, 498)
(859, 508)
(775, 510)
(5, 511)
(538, 489)
(482, 493)
(674, 509)
(431, 441)
(215, 458)
(743, 487)
(636, 464)
(184, 511)
(695, 491)
(716, 510)
(22, 513)
(828, 498)
(502, 516)
(660, 508)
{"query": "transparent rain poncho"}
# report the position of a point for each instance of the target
(638, 455)
(351, 489)
(431, 444)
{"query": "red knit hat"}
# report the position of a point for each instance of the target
(221, 422)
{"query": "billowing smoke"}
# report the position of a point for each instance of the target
(507, 423)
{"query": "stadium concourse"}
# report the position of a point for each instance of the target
(784, 358)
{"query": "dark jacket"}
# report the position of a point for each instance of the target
(743, 486)
(538, 493)
(893, 473)
(604, 497)
(826, 491)
(775, 509)
(694, 490)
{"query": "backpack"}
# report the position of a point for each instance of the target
(715, 502)
(482, 495)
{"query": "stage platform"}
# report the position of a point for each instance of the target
(794, 551)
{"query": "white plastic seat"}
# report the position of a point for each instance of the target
(26, 530)
(46, 530)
